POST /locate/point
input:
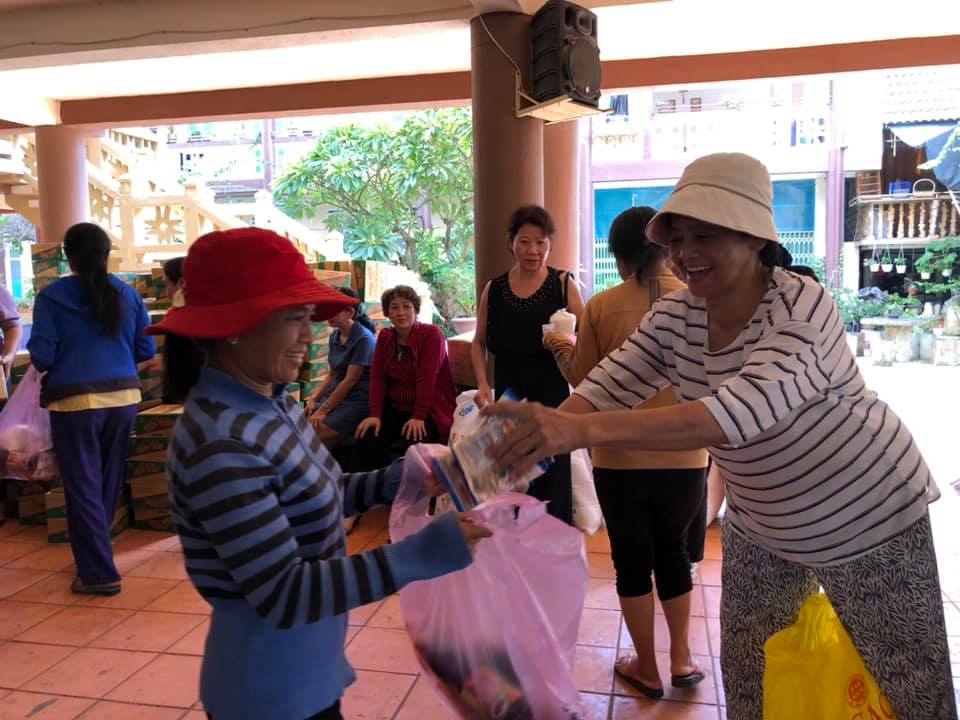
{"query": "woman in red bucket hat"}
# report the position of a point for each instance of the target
(258, 501)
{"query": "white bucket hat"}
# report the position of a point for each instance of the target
(730, 190)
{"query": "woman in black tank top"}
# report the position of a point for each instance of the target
(513, 309)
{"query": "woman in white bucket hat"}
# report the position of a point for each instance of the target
(825, 486)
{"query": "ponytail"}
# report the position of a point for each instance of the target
(360, 315)
(87, 247)
(182, 359)
(628, 242)
(774, 254)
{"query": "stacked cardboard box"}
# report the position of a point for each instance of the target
(23, 499)
(294, 390)
(354, 269)
(49, 263)
(149, 491)
(151, 382)
(315, 367)
(147, 468)
(333, 278)
(158, 420)
(56, 516)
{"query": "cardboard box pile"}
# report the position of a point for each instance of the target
(49, 263)
(56, 516)
(151, 382)
(315, 367)
(24, 499)
(333, 278)
(354, 269)
(147, 468)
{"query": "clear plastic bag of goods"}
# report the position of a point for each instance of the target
(473, 478)
(24, 425)
(26, 445)
(587, 514)
(496, 640)
(465, 417)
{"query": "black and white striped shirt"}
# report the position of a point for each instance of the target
(818, 469)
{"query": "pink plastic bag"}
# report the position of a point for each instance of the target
(497, 639)
(26, 446)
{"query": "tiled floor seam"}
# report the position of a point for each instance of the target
(76, 649)
(405, 699)
(93, 642)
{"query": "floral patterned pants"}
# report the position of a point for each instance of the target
(889, 601)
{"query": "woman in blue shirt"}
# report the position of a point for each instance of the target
(88, 338)
(341, 402)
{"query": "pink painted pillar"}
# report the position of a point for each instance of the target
(561, 192)
(836, 197)
(507, 151)
(62, 177)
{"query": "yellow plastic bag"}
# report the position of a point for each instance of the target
(813, 672)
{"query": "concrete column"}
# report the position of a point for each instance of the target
(508, 152)
(266, 148)
(561, 192)
(585, 196)
(62, 179)
(836, 197)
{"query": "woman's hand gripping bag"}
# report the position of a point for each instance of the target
(814, 671)
(497, 639)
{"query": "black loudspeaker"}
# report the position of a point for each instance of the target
(566, 59)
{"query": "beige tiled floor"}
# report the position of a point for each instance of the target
(138, 655)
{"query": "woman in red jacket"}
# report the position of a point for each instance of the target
(411, 386)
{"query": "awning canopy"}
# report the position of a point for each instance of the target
(944, 154)
(919, 134)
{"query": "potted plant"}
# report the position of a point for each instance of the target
(874, 263)
(900, 263)
(925, 264)
(946, 263)
(886, 262)
(851, 312)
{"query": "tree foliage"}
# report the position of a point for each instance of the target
(15, 230)
(399, 194)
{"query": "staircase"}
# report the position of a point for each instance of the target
(148, 214)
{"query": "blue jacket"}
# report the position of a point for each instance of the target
(67, 343)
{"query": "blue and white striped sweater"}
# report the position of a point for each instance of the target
(259, 506)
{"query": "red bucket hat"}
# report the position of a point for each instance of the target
(234, 280)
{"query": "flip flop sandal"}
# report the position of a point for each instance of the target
(688, 680)
(102, 589)
(654, 693)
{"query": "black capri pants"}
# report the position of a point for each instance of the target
(648, 513)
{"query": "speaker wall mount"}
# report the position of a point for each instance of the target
(555, 110)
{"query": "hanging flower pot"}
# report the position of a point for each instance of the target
(901, 267)
(874, 266)
(886, 267)
(924, 275)
(946, 272)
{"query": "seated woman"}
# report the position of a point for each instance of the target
(338, 406)
(411, 385)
